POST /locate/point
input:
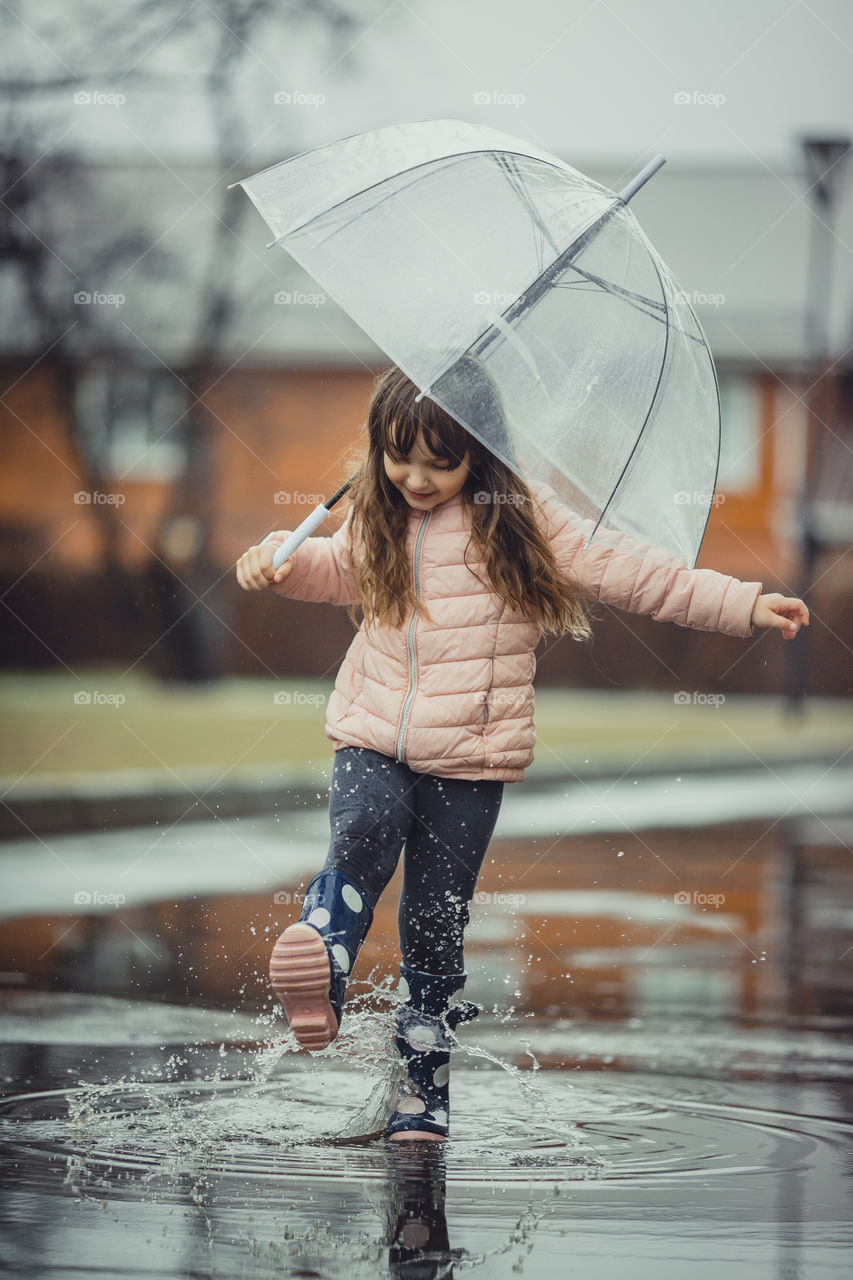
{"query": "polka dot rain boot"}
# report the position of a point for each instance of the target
(424, 1021)
(312, 959)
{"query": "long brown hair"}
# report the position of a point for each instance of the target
(517, 557)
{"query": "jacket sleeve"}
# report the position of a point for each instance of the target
(322, 570)
(617, 570)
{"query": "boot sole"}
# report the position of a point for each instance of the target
(416, 1135)
(300, 974)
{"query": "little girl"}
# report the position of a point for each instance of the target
(460, 568)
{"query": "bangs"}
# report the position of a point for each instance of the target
(399, 418)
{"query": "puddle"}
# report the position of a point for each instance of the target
(244, 1149)
(660, 1081)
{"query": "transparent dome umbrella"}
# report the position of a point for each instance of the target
(525, 299)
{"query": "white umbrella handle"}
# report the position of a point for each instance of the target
(305, 529)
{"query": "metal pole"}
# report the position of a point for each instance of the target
(825, 160)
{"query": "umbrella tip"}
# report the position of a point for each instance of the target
(642, 177)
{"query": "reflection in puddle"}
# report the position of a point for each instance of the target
(659, 1082)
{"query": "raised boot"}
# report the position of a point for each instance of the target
(424, 1024)
(313, 958)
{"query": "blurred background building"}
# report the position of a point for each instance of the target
(173, 390)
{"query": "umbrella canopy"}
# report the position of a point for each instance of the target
(525, 299)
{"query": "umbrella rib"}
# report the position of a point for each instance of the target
(719, 441)
(538, 287)
(514, 178)
(543, 281)
(646, 304)
(559, 262)
(634, 299)
(525, 301)
(339, 204)
(642, 430)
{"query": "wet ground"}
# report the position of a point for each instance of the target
(660, 1081)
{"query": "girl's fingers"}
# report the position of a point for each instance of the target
(791, 614)
(250, 574)
(255, 567)
(260, 556)
(796, 612)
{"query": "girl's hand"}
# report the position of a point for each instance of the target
(785, 612)
(254, 568)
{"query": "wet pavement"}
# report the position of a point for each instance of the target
(661, 1078)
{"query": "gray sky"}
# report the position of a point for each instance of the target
(587, 78)
(600, 82)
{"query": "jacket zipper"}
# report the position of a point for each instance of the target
(411, 640)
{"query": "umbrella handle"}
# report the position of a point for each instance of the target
(295, 539)
(306, 528)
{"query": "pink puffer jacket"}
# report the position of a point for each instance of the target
(454, 697)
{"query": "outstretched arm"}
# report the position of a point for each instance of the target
(620, 571)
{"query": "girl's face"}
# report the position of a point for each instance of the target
(424, 480)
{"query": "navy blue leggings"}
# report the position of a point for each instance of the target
(375, 805)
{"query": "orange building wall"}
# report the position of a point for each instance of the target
(275, 431)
